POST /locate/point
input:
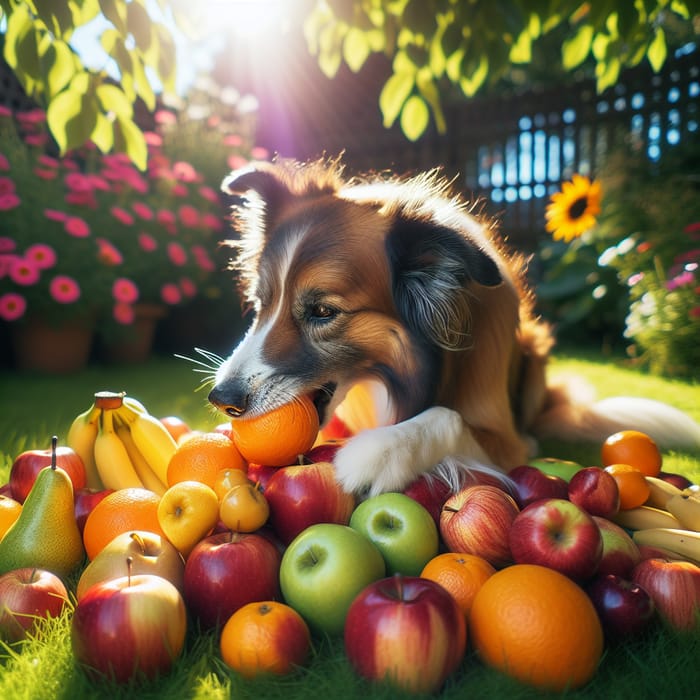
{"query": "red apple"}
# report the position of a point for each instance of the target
(532, 484)
(620, 552)
(678, 480)
(26, 595)
(324, 451)
(407, 631)
(85, 500)
(675, 588)
(559, 534)
(596, 491)
(225, 571)
(261, 474)
(477, 520)
(129, 627)
(624, 607)
(304, 495)
(6, 490)
(335, 428)
(431, 492)
(29, 463)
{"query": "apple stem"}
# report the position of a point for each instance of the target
(139, 540)
(54, 443)
(129, 565)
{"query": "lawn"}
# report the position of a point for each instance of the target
(32, 408)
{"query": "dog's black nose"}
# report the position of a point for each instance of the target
(227, 399)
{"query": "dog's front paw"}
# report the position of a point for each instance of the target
(360, 461)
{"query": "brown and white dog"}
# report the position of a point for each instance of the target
(394, 283)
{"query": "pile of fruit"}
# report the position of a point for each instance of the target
(139, 527)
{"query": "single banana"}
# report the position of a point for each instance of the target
(81, 439)
(141, 467)
(134, 404)
(151, 438)
(644, 517)
(686, 508)
(111, 457)
(685, 543)
(660, 492)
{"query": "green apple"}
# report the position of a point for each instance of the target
(556, 467)
(401, 528)
(323, 569)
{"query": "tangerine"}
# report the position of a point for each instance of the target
(278, 437)
(200, 457)
(9, 512)
(121, 511)
(462, 575)
(634, 448)
(265, 637)
(631, 483)
(537, 626)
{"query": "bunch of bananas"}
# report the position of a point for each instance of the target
(669, 520)
(121, 444)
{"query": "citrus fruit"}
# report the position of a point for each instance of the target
(175, 426)
(244, 508)
(462, 575)
(200, 457)
(536, 625)
(634, 448)
(121, 511)
(631, 483)
(278, 437)
(265, 637)
(9, 512)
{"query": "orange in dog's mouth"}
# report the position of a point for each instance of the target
(321, 399)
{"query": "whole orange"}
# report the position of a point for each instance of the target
(631, 483)
(265, 637)
(634, 448)
(120, 511)
(278, 437)
(536, 625)
(200, 458)
(462, 575)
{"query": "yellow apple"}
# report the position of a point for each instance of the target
(244, 508)
(187, 512)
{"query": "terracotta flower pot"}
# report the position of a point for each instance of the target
(136, 343)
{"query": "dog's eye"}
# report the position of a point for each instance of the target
(321, 313)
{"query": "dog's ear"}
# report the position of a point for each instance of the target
(433, 267)
(259, 179)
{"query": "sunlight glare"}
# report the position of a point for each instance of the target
(249, 19)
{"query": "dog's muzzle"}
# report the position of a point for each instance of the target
(231, 402)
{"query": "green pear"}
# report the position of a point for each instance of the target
(149, 552)
(45, 535)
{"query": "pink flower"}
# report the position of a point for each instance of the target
(233, 140)
(48, 161)
(188, 287)
(7, 185)
(692, 228)
(202, 258)
(12, 306)
(75, 226)
(98, 183)
(78, 182)
(123, 313)
(177, 254)
(9, 201)
(41, 255)
(235, 161)
(31, 117)
(36, 139)
(170, 293)
(180, 190)
(147, 242)
(684, 279)
(163, 116)
(142, 210)
(165, 217)
(152, 139)
(4, 163)
(7, 245)
(81, 198)
(212, 222)
(45, 173)
(107, 253)
(208, 193)
(694, 312)
(125, 290)
(7, 261)
(184, 172)
(189, 216)
(259, 153)
(24, 272)
(5, 111)
(55, 215)
(64, 289)
(635, 279)
(122, 215)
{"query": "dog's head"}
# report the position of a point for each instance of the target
(348, 281)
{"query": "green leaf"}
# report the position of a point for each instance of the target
(575, 50)
(607, 73)
(414, 117)
(430, 93)
(129, 139)
(71, 115)
(103, 133)
(330, 54)
(115, 12)
(139, 25)
(521, 51)
(59, 66)
(113, 99)
(471, 83)
(355, 49)
(656, 53)
(394, 95)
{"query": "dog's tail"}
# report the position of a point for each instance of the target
(571, 414)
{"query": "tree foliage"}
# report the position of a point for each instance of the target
(464, 45)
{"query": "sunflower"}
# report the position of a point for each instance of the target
(573, 210)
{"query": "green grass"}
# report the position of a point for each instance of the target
(658, 664)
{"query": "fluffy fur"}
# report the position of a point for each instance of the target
(397, 286)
